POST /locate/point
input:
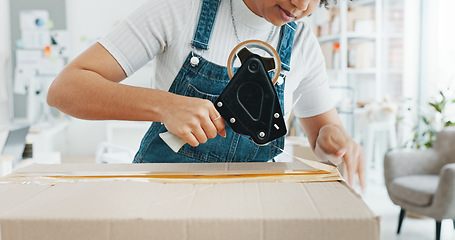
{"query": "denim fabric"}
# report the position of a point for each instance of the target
(285, 45)
(205, 24)
(207, 81)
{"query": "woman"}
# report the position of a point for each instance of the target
(190, 42)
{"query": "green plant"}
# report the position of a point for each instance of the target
(432, 121)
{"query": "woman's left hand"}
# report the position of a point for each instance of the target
(334, 144)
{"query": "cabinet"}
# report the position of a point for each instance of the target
(36, 55)
(363, 45)
(365, 48)
(351, 39)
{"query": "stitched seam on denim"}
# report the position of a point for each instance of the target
(196, 156)
(253, 153)
(285, 64)
(203, 93)
(233, 147)
(289, 25)
(150, 139)
(206, 23)
(280, 87)
(202, 17)
(180, 75)
(203, 62)
(195, 41)
(190, 68)
(285, 45)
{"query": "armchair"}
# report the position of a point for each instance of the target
(423, 181)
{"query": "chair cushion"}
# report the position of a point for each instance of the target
(415, 189)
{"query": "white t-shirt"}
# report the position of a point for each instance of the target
(163, 30)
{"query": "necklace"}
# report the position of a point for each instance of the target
(235, 27)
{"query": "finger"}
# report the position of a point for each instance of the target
(222, 133)
(338, 156)
(220, 126)
(209, 129)
(348, 169)
(362, 170)
(190, 139)
(340, 153)
(219, 123)
(200, 135)
(351, 166)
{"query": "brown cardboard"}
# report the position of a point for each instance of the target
(6, 165)
(127, 208)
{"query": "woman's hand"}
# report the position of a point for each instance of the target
(334, 144)
(88, 89)
(331, 142)
(194, 120)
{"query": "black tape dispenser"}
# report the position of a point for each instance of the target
(249, 103)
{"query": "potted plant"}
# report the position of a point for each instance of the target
(432, 118)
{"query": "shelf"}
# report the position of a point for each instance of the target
(394, 71)
(349, 36)
(394, 35)
(353, 71)
(329, 38)
(362, 36)
(361, 71)
(361, 3)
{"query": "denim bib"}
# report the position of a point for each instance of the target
(207, 80)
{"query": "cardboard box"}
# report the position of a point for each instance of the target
(302, 150)
(6, 165)
(361, 55)
(301, 147)
(360, 13)
(137, 201)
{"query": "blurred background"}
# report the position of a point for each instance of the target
(391, 67)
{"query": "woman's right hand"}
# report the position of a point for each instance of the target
(194, 120)
(88, 88)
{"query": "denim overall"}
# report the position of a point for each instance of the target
(207, 80)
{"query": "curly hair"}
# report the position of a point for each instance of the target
(326, 3)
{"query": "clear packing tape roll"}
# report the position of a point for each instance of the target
(193, 173)
(250, 44)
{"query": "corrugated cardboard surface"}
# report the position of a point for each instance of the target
(134, 209)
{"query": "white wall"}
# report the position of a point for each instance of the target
(4, 57)
(445, 38)
(87, 20)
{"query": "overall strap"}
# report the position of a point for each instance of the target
(285, 44)
(205, 25)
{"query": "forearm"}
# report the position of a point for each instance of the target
(87, 95)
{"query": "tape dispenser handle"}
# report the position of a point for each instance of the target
(174, 142)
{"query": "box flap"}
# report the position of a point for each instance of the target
(166, 168)
(177, 173)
